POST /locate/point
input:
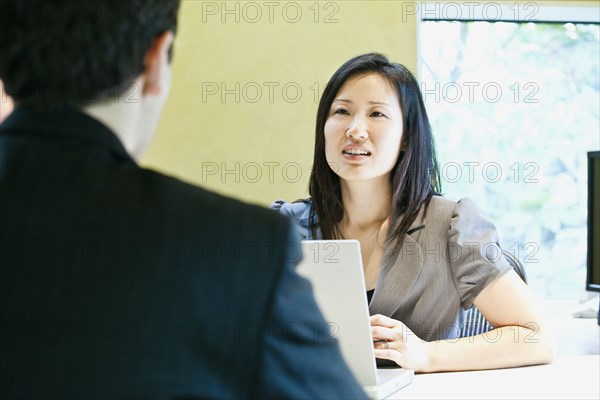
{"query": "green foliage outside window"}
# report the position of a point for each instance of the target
(515, 107)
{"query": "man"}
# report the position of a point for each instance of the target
(120, 282)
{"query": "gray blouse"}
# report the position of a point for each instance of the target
(451, 254)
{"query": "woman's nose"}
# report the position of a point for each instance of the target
(357, 130)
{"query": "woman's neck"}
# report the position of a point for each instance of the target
(367, 204)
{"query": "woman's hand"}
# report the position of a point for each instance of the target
(393, 340)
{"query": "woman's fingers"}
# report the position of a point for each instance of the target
(393, 340)
(381, 333)
(392, 355)
(382, 320)
(398, 333)
(381, 344)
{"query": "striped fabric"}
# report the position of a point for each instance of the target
(475, 324)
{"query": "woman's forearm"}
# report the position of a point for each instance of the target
(504, 347)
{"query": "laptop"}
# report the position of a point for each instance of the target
(334, 268)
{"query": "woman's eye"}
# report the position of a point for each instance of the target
(377, 114)
(341, 111)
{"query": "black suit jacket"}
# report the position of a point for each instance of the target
(120, 282)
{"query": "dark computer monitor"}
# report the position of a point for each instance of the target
(593, 254)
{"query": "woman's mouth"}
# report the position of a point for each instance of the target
(356, 152)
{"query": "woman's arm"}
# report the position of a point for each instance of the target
(520, 337)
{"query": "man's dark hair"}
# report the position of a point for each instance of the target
(75, 52)
(414, 178)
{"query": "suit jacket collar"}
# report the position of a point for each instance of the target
(64, 122)
(398, 273)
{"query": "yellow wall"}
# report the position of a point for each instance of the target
(275, 133)
(258, 146)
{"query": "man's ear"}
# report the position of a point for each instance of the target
(157, 59)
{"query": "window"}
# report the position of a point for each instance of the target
(513, 95)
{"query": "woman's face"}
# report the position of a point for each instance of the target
(363, 131)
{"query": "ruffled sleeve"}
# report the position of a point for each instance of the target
(298, 211)
(475, 255)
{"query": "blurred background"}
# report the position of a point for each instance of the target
(517, 111)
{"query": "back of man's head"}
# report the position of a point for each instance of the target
(75, 52)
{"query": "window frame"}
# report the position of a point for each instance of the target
(563, 14)
(471, 11)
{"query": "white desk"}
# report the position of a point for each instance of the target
(575, 336)
(570, 377)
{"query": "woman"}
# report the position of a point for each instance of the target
(426, 259)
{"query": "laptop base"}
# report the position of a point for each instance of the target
(389, 381)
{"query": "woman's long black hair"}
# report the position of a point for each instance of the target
(414, 178)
